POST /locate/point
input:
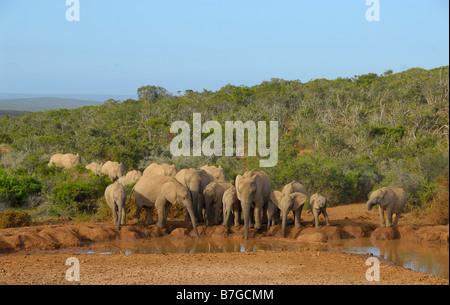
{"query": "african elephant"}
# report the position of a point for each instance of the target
(196, 181)
(231, 204)
(212, 196)
(65, 160)
(95, 167)
(273, 213)
(132, 177)
(292, 197)
(161, 169)
(156, 191)
(113, 170)
(253, 189)
(318, 205)
(116, 196)
(218, 173)
(390, 199)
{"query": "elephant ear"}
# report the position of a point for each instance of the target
(238, 179)
(298, 200)
(275, 197)
(169, 191)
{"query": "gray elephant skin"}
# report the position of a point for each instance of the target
(212, 196)
(65, 160)
(218, 173)
(253, 189)
(161, 169)
(391, 200)
(231, 205)
(196, 181)
(291, 198)
(113, 170)
(318, 205)
(156, 191)
(273, 213)
(116, 196)
(95, 167)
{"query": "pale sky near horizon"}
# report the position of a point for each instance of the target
(119, 46)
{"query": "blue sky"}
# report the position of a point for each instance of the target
(118, 46)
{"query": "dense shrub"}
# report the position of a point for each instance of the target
(14, 218)
(15, 189)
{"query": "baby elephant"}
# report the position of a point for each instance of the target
(318, 205)
(116, 196)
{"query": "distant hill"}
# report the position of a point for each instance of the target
(43, 103)
(12, 113)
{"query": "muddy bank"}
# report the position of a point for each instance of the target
(66, 236)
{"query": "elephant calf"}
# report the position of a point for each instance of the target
(212, 196)
(231, 204)
(390, 199)
(318, 205)
(273, 213)
(116, 196)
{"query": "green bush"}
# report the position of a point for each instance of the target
(16, 189)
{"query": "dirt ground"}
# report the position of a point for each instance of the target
(38, 254)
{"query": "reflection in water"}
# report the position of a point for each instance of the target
(427, 258)
(423, 257)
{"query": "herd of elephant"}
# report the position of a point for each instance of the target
(207, 195)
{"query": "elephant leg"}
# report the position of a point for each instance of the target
(298, 215)
(166, 212)
(114, 214)
(258, 214)
(237, 217)
(148, 215)
(161, 209)
(381, 211)
(397, 216)
(389, 217)
(123, 213)
(218, 207)
(324, 212)
(316, 218)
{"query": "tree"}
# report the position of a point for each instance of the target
(152, 94)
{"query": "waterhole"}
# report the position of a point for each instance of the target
(422, 257)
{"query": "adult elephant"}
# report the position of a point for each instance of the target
(390, 199)
(253, 189)
(161, 169)
(291, 198)
(212, 196)
(196, 181)
(114, 170)
(218, 173)
(95, 167)
(132, 177)
(116, 196)
(156, 191)
(65, 160)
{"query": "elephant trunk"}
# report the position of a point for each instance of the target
(193, 220)
(370, 204)
(196, 204)
(207, 200)
(283, 222)
(246, 208)
(226, 218)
